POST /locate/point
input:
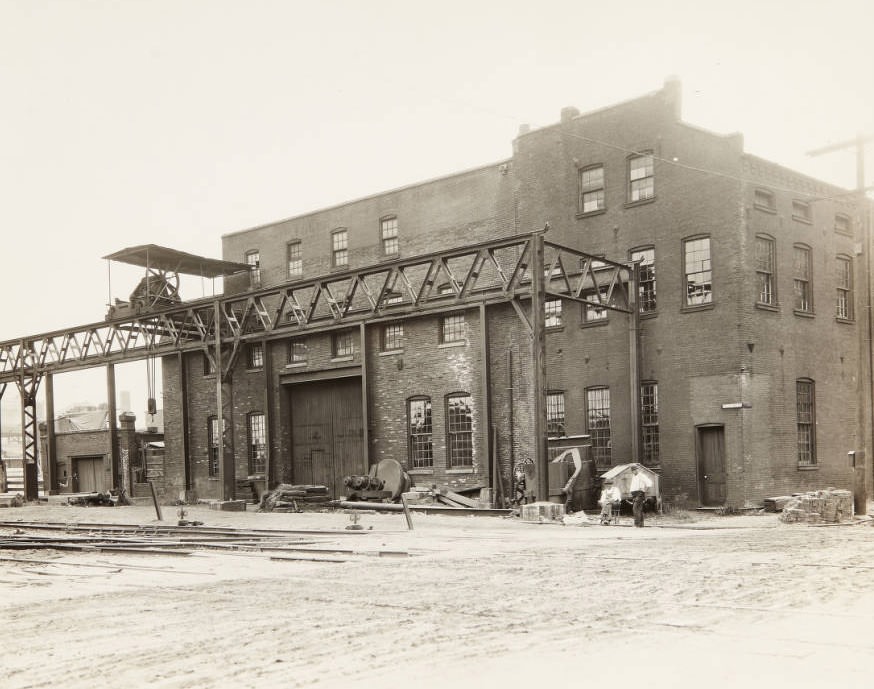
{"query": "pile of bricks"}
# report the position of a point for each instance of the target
(829, 506)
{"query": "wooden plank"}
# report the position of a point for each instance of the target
(460, 499)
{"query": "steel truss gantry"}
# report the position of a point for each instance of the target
(523, 270)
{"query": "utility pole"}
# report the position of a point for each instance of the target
(859, 459)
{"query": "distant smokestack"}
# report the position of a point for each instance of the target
(673, 95)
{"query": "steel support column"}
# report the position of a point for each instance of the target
(114, 471)
(538, 362)
(50, 478)
(365, 408)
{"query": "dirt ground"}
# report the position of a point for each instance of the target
(459, 601)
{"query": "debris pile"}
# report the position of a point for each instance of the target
(828, 506)
(288, 497)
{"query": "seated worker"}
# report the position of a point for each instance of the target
(610, 496)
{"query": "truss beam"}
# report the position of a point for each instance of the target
(490, 272)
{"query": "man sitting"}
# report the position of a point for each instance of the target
(610, 498)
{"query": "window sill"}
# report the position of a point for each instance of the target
(812, 467)
(803, 314)
(844, 233)
(448, 345)
(805, 221)
(588, 214)
(297, 364)
(641, 202)
(420, 472)
(696, 307)
(845, 321)
(553, 328)
(391, 352)
(460, 470)
(765, 209)
(594, 324)
(389, 257)
(340, 359)
(256, 369)
(649, 314)
(212, 478)
(767, 307)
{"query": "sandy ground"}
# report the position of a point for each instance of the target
(694, 600)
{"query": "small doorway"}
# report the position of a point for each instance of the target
(88, 472)
(710, 450)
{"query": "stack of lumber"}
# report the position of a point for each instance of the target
(288, 497)
(829, 506)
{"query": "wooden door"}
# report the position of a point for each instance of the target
(711, 465)
(327, 433)
(90, 474)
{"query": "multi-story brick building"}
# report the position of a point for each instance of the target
(745, 375)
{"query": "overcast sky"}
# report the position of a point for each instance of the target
(173, 122)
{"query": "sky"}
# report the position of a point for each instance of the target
(127, 122)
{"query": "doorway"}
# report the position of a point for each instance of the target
(710, 449)
(89, 474)
(327, 433)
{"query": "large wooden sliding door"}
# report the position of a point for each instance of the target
(327, 432)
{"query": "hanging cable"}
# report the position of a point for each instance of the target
(151, 404)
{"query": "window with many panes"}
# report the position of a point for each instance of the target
(592, 189)
(255, 355)
(392, 337)
(801, 211)
(341, 344)
(389, 236)
(253, 259)
(452, 328)
(766, 282)
(340, 248)
(256, 442)
(392, 297)
(294, 259)
(698, 271)
(646, 288)
(208, 365)
(297, 351)
(592, 311)
(552, 313)
(649, 422)
(844, 296)
(555, 422)
(213, 440)
(598, 424)
(459, 430)
(802, 285)
(641, 185)
(806, 421)
(421, 441)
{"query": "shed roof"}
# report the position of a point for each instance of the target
(163, 258)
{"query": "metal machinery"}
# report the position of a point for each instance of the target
(521, 270)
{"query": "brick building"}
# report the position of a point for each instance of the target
(745, 374)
